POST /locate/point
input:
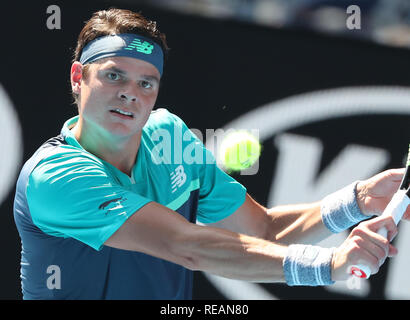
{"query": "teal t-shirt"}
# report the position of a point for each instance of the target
(69, 201)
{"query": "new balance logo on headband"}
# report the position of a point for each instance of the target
(143, 47)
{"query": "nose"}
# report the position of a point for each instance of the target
(128, 94)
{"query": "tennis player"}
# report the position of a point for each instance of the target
(95, 203)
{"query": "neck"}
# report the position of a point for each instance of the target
(119, 151)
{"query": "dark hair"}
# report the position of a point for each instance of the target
(116, 21)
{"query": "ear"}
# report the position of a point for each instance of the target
(76, 74)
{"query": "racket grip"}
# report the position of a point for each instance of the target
(361, 270)
(396, 208)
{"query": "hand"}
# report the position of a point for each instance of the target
(364, 246)
(375, 193)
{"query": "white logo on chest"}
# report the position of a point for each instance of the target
(178, 178)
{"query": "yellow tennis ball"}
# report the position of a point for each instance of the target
(239, 150)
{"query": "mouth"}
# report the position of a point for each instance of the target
(122, 113)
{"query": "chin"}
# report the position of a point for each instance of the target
(120, 129)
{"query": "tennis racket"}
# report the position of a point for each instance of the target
(396, 208)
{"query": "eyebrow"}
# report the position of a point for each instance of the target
(115, 69)
(122, 72)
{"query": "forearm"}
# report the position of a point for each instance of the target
(310, 223)
(158, 231)
(232, 255)
(242, 257)
(300, 223)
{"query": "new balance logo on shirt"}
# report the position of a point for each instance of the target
(178, 178)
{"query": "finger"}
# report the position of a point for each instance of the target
(393, 251)
(377, 252)
(392, 231)
(368, 242)
(382, 222)
(394, 175)
(406, 215)
(397, 173)
(391, 235)
(371, 241)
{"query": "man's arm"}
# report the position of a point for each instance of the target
(302, 223)
(163, 233)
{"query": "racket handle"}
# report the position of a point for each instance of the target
(396, 208)
(361, 270)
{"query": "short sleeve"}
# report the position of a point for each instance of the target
(220, 195)
(73, 195)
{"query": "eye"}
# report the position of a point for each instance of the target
(113, 76)
(146, 84)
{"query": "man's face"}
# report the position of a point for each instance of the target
(118, 95)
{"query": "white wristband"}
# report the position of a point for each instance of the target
(306, 265)
(340, 209)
